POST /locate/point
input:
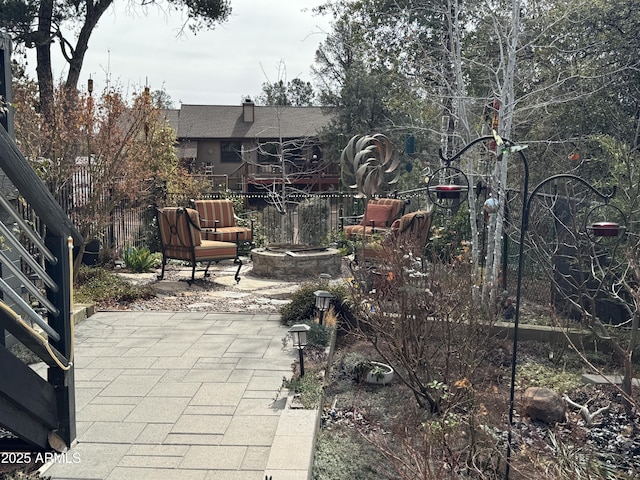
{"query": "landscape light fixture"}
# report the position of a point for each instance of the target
(323, 302)
(299, 334)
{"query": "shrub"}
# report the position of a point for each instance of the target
(342, 456)
(22, 475)
(302, 306)
(318, 335)
(345, 246)
(149, 231)
(308, 387)
(313, 214)
(95, 284)
(140, 259)
(354, 366)
(426, 300)
(531, 374)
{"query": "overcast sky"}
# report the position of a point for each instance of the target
(219, 67)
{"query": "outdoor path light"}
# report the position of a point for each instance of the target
(599, 229)
(299, 335)
(323, 301)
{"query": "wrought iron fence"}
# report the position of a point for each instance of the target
(308, 218)
(301, 217)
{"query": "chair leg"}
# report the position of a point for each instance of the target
(164, 262)
(239, 262)
(193, 272)
(206, 270)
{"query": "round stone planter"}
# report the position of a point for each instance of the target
(380, 374)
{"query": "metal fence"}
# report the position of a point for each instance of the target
(307, 218)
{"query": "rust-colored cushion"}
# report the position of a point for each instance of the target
(413, 228)
(377, 215)
(353, 231)
(397, 205)
(213, 250)
(422, 217)
(212, 210)
(227, 234)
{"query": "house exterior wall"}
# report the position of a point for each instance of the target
(223, 141)
(209, 152)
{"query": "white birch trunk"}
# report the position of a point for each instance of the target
(505, 124)
(459, 94)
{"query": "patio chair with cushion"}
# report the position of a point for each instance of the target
(218, 221)
(409, 233)
(181, 240)
(381, 213)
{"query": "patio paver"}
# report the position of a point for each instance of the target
(164, 395)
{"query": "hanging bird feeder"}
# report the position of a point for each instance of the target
(448, 191)
(599, 222)
(606, 229)
(448, 187)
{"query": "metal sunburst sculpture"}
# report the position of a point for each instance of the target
(368, 165)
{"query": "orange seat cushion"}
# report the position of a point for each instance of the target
(214, 250)
(227, 234)
(352, 231)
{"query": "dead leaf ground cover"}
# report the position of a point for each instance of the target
(371, 431)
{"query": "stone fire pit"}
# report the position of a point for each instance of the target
(286, 261)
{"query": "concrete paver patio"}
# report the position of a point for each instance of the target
(188, 395)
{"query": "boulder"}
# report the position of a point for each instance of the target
(544, 404)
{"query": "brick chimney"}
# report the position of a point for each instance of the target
(248, 111)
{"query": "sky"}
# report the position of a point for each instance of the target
(263, 41)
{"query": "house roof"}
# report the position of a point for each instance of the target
(171, 116)
(226, 122)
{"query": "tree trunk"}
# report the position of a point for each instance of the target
(92, 16)
(43, 59)
(505, 124)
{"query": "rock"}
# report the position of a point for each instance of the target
(544, 404)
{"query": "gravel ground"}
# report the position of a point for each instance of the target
(217, 293)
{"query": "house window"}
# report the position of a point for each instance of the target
(269, 152)
(293, 153)
(230, 152)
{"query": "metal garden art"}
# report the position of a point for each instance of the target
(369, 165)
